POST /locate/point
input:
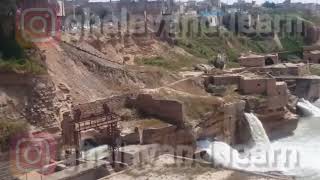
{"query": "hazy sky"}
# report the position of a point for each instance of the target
(258, 1)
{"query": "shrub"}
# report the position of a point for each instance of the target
(21, 66)
(8, 129)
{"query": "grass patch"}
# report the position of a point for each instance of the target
(154, 61)
(292, 44)
(21, 66)
(315, 70)
(232, 64)
(8, 129)
(228, 43)
(172, 62)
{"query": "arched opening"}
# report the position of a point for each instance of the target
(269, 61)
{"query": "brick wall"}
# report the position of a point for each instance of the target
(280, 96)
(167, 110)
(258, 61)
(311, 58)
(225, 80)
(96, 108)
(252, 62)
(254, 86)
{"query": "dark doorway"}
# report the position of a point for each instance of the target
(269, 61)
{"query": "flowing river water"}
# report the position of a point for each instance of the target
(297, 155)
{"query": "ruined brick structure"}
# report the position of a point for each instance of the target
(170, 111)
(264, 96)
(254, 60)
(249, 84)
(283, 69)
(311, 54)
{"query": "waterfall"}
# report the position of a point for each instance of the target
(307, 108)
(258, 133)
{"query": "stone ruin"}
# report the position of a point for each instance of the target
(255, 60)
(311, 54)
(264, 96)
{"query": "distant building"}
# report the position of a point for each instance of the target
(212, 17)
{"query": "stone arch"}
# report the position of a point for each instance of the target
(269, 61)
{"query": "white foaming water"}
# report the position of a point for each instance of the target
(317, 103)
(307, 108)
(296, 155)
(258, 133)
(96, 153)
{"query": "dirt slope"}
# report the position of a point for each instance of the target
(65, 68)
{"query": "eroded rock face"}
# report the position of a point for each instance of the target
(32, 98)
(222, 125)
(41, 109)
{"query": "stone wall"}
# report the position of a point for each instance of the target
(222, 123)
(284, 69)
(222, 80)
(312, 56)
(30, 97)
(299, 70)
(233, 115)
(252, 62)
(258, 60)
(257, 86)
(170, 111)
(169, 135)
(280, 99)
(95, 108)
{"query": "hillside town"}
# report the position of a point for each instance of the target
(159, 89)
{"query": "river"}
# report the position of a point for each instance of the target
(306, 140)
(297, 155)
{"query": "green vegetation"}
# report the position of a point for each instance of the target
(315, 70)
(292, 47)
(292, 44)
(9, 129)
(232, 45)
(169, 61)
(14, 59)
(21, 66)
(9, 48)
